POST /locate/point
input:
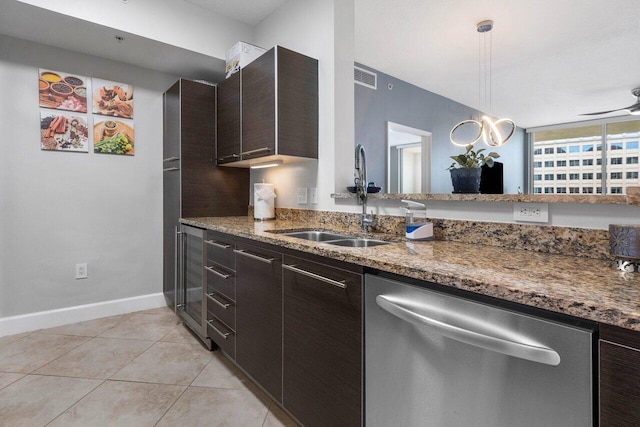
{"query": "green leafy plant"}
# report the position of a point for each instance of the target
(473, 159)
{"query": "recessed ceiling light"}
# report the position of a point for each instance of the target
(124, 1)
(120, 39)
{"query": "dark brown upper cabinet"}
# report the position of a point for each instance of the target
(228, 149)
(274, 100)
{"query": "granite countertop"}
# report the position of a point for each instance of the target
(583, 287)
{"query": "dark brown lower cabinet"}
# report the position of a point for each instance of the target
(619, 377)
(322, 366)
(259, 315)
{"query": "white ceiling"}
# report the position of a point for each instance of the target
(246, 11)
(552, 59)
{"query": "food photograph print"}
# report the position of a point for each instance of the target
(112, 98)
(113, 137)
(63, 131)
(62, 91)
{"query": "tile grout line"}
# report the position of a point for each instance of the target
(172, 405)
(76, 402)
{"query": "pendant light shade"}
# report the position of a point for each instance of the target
(487, 129)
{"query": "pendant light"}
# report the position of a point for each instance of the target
(488, 129)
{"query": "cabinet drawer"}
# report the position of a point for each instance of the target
(222, 335)
(221, 280)
(220, 249)
(222, 307)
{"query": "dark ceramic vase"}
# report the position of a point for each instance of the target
(466, 180)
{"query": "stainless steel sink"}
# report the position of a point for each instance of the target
(334, 238)
(316, 236)
(358, 243)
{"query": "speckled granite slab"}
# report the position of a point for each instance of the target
(581, 242)
(583, 287)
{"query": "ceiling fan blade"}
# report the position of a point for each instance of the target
(629, 108)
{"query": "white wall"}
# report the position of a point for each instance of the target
(178, 23)
(58, 209)
(323, 30)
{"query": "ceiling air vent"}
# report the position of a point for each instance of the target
(365, 78)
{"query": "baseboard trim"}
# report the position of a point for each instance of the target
(64, 316)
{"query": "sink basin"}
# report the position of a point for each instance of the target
(358, 243)
(316, 236)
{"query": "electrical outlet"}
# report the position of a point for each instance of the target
(302, 195)
(313, 195)
(81, 271)
(529, 212)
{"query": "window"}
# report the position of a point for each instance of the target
(537, 151)
(596, 152)
(561, 190)
(537, 177)
(616, 190)
(537, 190)
(548, 190)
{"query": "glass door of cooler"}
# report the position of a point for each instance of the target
(191, 281)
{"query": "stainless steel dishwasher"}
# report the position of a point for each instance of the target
(433, 359)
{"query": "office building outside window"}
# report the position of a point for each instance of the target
(601, 158)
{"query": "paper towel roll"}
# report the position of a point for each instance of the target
(264, 197)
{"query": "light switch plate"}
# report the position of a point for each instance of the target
(531, 212)
(313, 195)
(302, 195)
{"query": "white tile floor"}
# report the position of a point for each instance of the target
(138, 369)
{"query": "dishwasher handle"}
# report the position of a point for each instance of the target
(522, 350)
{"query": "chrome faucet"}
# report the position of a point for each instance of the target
(361, 186)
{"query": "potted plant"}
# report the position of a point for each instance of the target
(466, 169)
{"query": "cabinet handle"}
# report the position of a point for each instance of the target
(257, 150)
(171, 159)
(256, 257)
(217, 245)
(224, 305)
(224, 335)
(296, 269)
(216, 272)
(170, 169)
(232, 156)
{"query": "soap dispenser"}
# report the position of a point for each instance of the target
(416, 226)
